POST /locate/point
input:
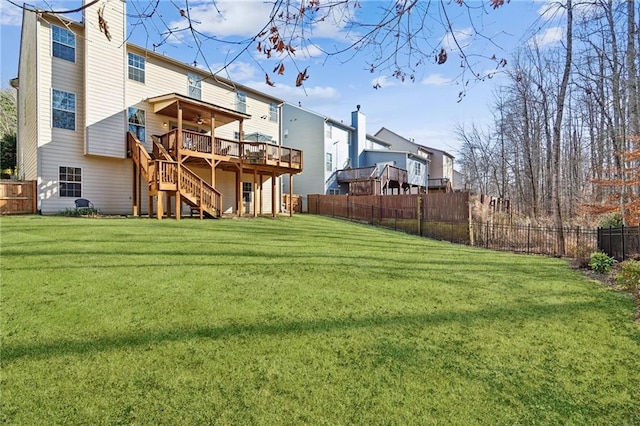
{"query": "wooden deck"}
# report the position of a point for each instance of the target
(370, 181)
(198, 145)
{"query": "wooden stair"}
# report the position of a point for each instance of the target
(163, 173)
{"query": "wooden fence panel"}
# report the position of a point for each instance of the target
(18, 197)
(446, 207)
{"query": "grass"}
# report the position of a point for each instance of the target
(300, 321)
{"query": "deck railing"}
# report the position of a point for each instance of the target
(438, 183)
(194, 186)
(249, 152)
(361, 173)
(163, 175)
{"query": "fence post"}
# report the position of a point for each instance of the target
(610, 244)
(528, 237)
(623, 247)
(486, 240)
(419, 215)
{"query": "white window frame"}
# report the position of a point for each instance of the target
(77, 171)
(63, 43)
(417, 168)
(194, 86)
(137, 70)
(241, 101)
(142, 126)
(334, 191)
(328, 132)
(53, 108)
(328, 160)
(273, 112)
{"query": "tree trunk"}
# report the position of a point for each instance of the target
(557, 131)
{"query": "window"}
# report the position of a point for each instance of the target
(137, 123)
(136, 67)
(417, 169)
(64, 43)
(241, 102)
(64, 109)
(329, 161)
(70, 182)
(195, 86)
(334, 191)
(328, 131)
(273, 112)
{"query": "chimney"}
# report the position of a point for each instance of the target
(358, 143)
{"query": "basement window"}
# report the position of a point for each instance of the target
(70, 182)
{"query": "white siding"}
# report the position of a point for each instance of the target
(58, 147)
(305, 130)
(27, 99)
(103, 84)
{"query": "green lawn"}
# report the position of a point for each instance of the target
(305, 320)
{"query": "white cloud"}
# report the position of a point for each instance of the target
(10, 14)
(230, 18)
(308, 96)
(384, 81)
(548, 37)
(436, 80)
(462, 37)
(237, 71)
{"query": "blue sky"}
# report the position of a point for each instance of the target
(426, 110)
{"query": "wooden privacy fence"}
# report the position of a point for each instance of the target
(18, 197)
(446, 216)
(439, 215)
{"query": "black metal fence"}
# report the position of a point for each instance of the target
(619, 243)
(531, 239)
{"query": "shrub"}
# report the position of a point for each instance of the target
(583, 256)
(601, 262)
(611, 221)
(628, 275)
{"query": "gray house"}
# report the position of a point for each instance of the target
(440, 174)
(343, 159)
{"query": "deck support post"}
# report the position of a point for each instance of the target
(150, 209)
(261, 196)
(159, 206)
(239, 191)
(290, 194)
(179, 172)
(135, 208)
(255, 193)
(273, 195)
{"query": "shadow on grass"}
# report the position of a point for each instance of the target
(490, 315)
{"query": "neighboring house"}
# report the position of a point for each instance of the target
(440, 173)
(459, 181)
(327, 146)
(103, 119)
(343, 159)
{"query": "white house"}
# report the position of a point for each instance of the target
(108, 121)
